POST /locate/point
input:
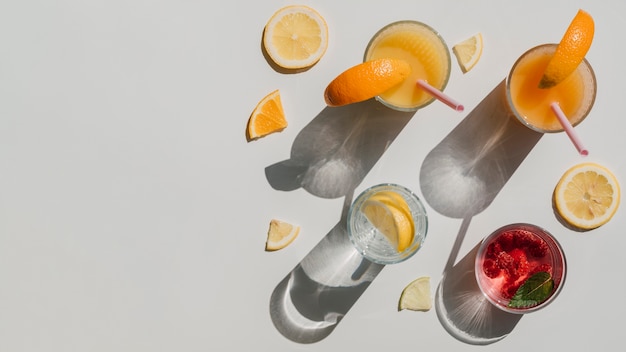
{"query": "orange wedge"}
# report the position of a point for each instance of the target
(571, 50)
(365, 81)
(268, 117)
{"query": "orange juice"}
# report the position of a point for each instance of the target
(423, 49)
(531, 105)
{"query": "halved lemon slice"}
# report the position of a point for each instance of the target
(295, 37)
(267, 117)
(416, 295)
(392, 221)
(280, 235)
(587, 196)
(468, 52)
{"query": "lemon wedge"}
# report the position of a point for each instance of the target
(280, 235)
(416, 295)
(468, 52)
(587, 196)
(391, 216)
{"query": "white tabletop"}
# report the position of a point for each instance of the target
(134, 213)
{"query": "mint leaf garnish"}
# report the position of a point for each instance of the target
(533, 291)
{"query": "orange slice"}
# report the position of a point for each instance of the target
(587, 196)
(268, 117)
(365, 81)
(571, 50)
(295, 37)
(280, 235)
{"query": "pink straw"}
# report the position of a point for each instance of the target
(569, 129)
(440, 96)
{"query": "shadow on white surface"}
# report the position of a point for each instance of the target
(462, 308)
(329, 159)
(311, 300)
(463, 174)
(333, 153)
(460, 178)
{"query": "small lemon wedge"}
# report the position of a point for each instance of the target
(280, 235)
(416, 295)
(468, 52)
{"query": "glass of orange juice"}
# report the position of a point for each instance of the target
(424, 49)
(531, 104)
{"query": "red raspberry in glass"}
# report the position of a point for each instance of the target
(506, 241)
(538, 248)
(520, 266)
(504, 260)
(491, 269)
(523, 238)
(493, 250)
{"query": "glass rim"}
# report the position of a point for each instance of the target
(362, 197)
(583, 65)
(436, 35)
(544, 235)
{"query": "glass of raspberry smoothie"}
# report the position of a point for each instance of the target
(520, 268)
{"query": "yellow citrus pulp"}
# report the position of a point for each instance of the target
(390, 214)
(280, 235)
(295, 37)
(267, 117)
(468, 52)
(587, 196)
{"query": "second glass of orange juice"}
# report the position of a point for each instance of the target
(531, 104)
(424, 49)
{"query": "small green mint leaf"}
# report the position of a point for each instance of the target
(533, 291)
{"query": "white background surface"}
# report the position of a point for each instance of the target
(133, 213)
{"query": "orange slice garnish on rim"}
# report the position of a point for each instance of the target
(571, 50)
(365, 81)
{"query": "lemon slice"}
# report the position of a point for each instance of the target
(416, 295)
(280, 235)
(468, 52)
(295, 37)
(587, 196)
(392, 221)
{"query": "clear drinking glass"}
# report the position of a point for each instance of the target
(531, 104)
(370, 242)
(424, 49)
(510, 256)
